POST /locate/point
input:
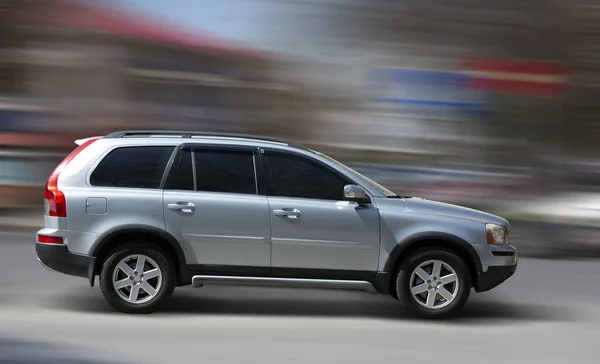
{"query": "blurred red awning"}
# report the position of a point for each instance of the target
(71, 14)
(542, 78)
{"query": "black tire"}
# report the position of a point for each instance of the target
(151, 251)
(403, 283)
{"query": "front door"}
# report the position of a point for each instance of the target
(312, 228)
(212, 207)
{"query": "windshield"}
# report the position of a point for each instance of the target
(384, 191)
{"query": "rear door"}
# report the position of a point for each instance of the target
(212, 207)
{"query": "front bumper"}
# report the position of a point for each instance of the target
(494, 276)
(60, 259)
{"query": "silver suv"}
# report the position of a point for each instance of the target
(147, 211)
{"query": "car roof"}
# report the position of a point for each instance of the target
(191, 135)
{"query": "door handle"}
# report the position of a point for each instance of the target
(182, 206)
(289, 213)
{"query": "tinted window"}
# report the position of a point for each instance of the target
(294, 176)
(140, 167)
(225, 171)
(184, 179)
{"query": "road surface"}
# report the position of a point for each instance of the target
(547, 313)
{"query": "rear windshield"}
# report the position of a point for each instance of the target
(134, 167)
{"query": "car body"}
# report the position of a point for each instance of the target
(150, 210)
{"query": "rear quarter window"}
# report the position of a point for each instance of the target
(133, 167)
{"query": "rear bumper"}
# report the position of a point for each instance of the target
(494, 276)
(58, 258)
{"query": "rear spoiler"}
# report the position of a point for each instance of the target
(81, 141)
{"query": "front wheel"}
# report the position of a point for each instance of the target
(433, 283)
(137, 278)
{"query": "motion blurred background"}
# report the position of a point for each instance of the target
(490, 104)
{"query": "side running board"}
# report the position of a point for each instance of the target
(204, 280)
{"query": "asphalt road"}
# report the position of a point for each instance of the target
(546, 313)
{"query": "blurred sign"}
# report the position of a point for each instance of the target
(428, 92)
(516, 76)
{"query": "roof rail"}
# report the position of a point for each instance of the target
(189, 134)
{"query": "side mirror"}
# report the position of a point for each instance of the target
(356, 194)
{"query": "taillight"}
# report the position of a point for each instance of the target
(45, 239)
(55, 203)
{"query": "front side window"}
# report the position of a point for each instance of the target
(296, 176)
(133, 167)
(228, 171)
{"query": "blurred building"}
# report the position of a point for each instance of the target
(73, 68)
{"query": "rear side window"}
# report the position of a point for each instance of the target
(228, 171)
(134, 167)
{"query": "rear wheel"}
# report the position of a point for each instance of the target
(137, 278)
(433, 283)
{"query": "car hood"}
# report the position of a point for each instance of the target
(423, 206)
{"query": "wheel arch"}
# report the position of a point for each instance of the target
(118, 235)
(432, 239)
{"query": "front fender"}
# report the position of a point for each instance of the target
(400, 228)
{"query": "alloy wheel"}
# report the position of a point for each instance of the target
(434, 284)
(137, 279)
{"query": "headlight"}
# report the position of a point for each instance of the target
(496, 234)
